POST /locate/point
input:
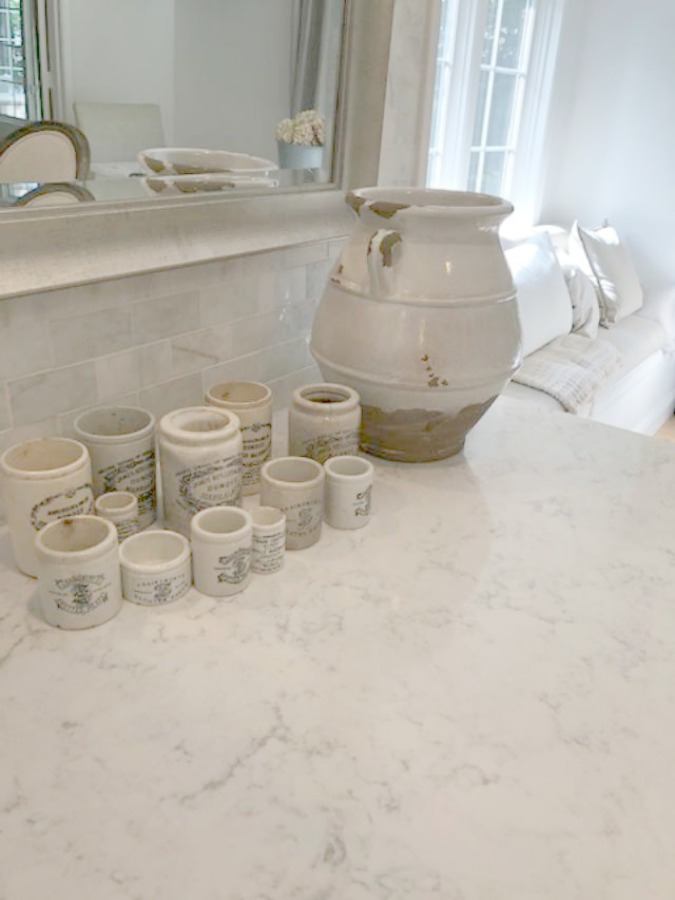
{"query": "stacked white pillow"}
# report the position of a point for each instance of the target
(600, 253)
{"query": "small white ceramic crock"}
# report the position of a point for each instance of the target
(120, 508)
(156, 567)
(324, 421)
(349, 483)
(295, 485)
(221, 550)
(200, 449)
(121, 441)
(43, 480)
(269, 540)
(252, 403)
(79, 578)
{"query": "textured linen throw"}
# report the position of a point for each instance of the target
(572, 369)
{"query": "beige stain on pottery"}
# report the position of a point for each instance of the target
(418, 435)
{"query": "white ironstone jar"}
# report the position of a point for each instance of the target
(121, 442)
(420, 317)
(43, 480)
(324, 421)
(200, 453)
(251, 401)
(79, 572)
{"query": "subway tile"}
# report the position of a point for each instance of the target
(284, 359)
(165, 317)
(91, 335)
(17, 435)
(24, 338)
(244, 368)
(257, 332)
(156, 363)
(336, 246)
(119, 373)
(317, 278)
(5, 416)
(198, 349)
(305, 254)
(175, 394)
(36, 397)
(228, 301)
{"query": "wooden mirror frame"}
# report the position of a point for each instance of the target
(56, 247)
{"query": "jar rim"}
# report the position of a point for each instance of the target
(290, 464)
(36, 454)
(112, 428)
(129, 550)
(202, 531)
(199, 424)
(102, 536)
(325, 398)
(261, 394)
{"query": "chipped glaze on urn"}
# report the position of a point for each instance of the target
(419, 316)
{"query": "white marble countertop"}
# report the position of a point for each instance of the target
(471, 699)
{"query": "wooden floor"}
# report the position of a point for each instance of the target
(667, 431)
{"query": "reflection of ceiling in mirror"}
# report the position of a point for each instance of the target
(216, 75)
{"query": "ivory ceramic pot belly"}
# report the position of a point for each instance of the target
(419, 316)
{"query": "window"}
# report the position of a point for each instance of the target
(494, 68)
(19, 92)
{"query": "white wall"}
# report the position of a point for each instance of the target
(119, 52)
(219, 69)
(610, 149)
(235, 101)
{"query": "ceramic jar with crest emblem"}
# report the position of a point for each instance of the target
(419, 316)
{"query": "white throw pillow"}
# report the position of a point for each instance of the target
(602, 255)
(583, 297)
(543, 302)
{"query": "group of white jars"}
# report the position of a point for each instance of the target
(208, 457)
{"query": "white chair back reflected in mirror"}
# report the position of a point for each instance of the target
(117, 132)
(44, 152)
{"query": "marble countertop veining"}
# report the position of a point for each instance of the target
(471, 699)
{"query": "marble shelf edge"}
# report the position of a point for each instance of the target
(46, 250)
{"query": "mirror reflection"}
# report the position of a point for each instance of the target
(166, 97)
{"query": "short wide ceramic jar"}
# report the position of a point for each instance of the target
(43, 480)
(324, 421)
(79, 579)
(200, 451)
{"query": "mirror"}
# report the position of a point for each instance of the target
(215, 75)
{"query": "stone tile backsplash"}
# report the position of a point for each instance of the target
(158, 340)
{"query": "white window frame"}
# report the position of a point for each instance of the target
(449, 161)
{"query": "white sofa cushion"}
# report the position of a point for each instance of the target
(543, 301)
(603, 256)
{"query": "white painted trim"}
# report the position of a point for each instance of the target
(57, 247)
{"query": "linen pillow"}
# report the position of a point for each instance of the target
(605, 259)
(544, 305)
(583, 297)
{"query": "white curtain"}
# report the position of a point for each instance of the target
(315, 69)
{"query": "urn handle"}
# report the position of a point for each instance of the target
(383, 250)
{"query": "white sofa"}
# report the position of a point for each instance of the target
(573, 283)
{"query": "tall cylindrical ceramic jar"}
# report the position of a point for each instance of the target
(43, 480)
(251, 401)
(121, 441)
(324, 421)
(419, 316)
(200, 454)
(79, 579)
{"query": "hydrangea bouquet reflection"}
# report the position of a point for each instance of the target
(301, 140)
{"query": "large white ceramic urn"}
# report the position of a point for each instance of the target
(419, 316)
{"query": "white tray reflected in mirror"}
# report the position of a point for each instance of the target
(195, 161)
